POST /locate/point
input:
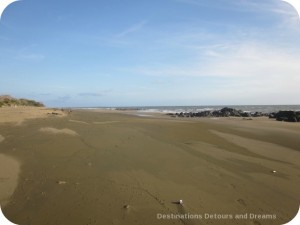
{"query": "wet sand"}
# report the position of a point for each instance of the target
(9, 171)
(117, 168)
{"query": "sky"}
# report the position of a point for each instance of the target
(151, 53)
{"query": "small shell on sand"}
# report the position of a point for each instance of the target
(179, 202)
(126, 206)
(274, 171)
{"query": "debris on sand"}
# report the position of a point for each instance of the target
(126, 206)
(61, 182)
(180, 202)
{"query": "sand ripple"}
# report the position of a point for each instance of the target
(106, 122)
(52, 130)
(78, 121)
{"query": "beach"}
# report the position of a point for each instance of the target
(114, 167)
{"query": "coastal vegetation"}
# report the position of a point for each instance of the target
(7, 100)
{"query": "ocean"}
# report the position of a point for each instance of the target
(178, 109)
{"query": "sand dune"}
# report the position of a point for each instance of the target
(52, 130)
(19, 114)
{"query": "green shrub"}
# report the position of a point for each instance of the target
(21, 102)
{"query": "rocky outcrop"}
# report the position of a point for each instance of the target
(224, 112)
(287, 116)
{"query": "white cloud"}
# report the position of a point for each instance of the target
(273, 6)
(245, 73)
(133, 28)
(28, 54)
(252, 60)
(246, 60)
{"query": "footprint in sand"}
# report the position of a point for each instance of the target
(242, 202)
(233, 186)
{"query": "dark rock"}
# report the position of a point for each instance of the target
(170, 114)
(246, 114)
(288, 116)
(257, 114)
(228, 112)
(272, 115)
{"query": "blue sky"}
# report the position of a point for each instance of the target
(158, 52)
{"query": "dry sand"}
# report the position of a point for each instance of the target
(18, 114)
(129, 171)
(52, 130)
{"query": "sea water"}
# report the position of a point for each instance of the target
(178, 109)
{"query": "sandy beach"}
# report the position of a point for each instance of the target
(110, 167)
